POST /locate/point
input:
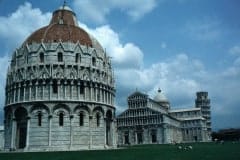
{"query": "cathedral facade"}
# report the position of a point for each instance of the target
(152, 121)
(60, 90)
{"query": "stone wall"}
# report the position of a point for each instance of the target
(1, 138)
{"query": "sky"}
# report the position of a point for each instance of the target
(179, 46)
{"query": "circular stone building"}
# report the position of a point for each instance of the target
(60, 90)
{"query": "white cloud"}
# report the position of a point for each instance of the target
(4, 62)
(18, 25)
(97, 10)
(123, 55)
(178, 77)
(163, 45)
(235, 50)
(206, 29)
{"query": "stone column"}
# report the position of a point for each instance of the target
(19, 92)
(105, 132)
(28, 128)
(14, 93)
(36, 90)
(100, 93)
(71, 88)
(24, 91)
(71, 131)
(104, 95)
(13, 137)
(30, 91)
(112, 128)
(114, 133)
(136, 142)
(86, 91)
(65, 89)
(108, 93)
(165, 132)
(43, 89)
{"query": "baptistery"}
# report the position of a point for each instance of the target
(60, 90)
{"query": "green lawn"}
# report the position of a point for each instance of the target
(200, 151)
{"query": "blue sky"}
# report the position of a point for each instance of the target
(181, 46)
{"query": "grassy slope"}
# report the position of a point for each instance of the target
(201, 151)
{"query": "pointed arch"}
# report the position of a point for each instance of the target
(73, 73)
(85, 75)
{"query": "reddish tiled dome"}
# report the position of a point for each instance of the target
(63, 27)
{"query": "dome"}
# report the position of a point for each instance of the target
(63, 27)
(160, 97)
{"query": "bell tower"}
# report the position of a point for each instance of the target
(202, 101)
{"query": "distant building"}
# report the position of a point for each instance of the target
(1, 138)
(203, 102)
(150, 121)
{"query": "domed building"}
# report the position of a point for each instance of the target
(60, 90)
(161, 99)
(152, 121)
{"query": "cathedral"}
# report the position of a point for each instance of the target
(60, 90)
(152, 121)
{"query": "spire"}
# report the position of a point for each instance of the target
(64, 4)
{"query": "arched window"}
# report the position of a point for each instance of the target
(78, 58)
(93, 61)
(98, 119)
(41, 57)
(81, 119)
(61, 119)
(39, 119)
(60, 57)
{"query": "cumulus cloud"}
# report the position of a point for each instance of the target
(235, 50)
(18, 25)
(97, 10)
(123, 55)
(171, 75)
(163, 45)
(205, 29)
(4, 62)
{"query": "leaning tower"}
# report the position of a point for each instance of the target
(60, 90)
(202, 101)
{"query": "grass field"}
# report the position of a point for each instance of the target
(200, 151)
